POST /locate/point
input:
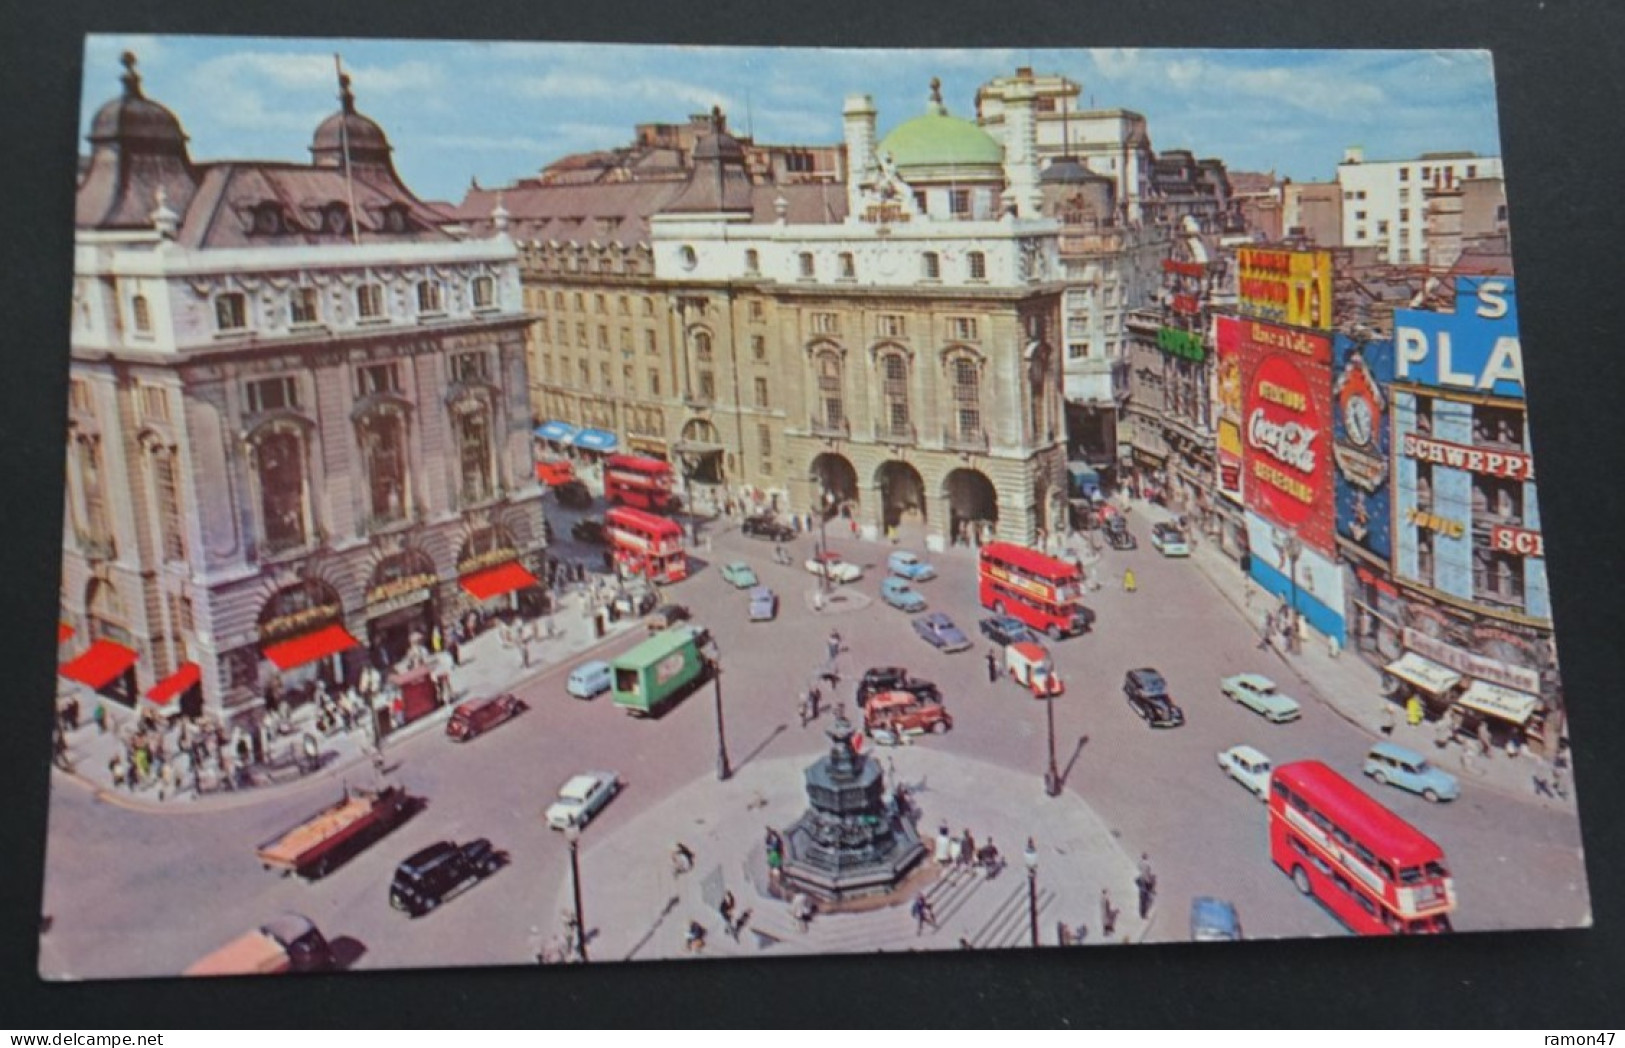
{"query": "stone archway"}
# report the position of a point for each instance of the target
(972, 503)
(833, 474)
(902, 494)
(700, 452)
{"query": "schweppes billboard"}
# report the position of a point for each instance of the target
(1286, 286)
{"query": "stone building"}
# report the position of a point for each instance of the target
(297, 431)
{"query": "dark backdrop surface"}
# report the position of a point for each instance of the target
(1559, 81)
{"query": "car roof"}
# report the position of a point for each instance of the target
(759, 592)
(1146, 675)
(419, 859)
(1255, 680)
(903, 554)
(1213, 913)
(894, 698)
(1248, 753)
(1394, 751)
(580, 784)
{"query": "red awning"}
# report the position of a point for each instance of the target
(165, 690)
(308, 647)
(101, 663)
(493, 582)
(63, 632)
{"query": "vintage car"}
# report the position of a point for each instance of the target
(666, 616)
(1029, 664)
(1214, 920)
(1169, 541)
(1257, 693)
(1248, 767)
(581, 798)
(1004, 630)
(572, 494)
(764, 604)
(589, 530)
(900, 595)
(902, 713)
(475, 716)
(437, 873)
(1148, 696)
(880, 679)
(738, 574)
(939, 631)
(1392, 765)
(763, 526)
(589, 679)
(830, 564)
(906, 565)
(1118, 536)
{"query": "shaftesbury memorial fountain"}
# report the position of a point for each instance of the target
(849, 842)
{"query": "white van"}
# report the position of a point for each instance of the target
(588, 679)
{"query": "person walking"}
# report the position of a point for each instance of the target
(99, 715)
(1146, 882)
(922, 913)
(1388, 719)
(1268, 636)
(992, 665)
(1108, 914)
(725, 910)
(834, 645)
(1129, 584)
(1413, 711)
(967, 848)
(801, 909)
(815, 697)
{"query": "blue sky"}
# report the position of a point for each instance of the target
(500, 111)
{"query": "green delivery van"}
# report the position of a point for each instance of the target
(658, 670)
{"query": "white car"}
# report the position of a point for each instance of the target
(581, 798)
(837, 569)
(1248, 767)
(1257, 692)
(1169, 541)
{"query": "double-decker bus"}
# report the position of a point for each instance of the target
(1376, 872)
(1044, 593)
(645, 544)
(636, 480)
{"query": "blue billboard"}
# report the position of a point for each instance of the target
(1473, 349)
(1361, 372)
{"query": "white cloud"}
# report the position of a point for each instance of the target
(567, 85)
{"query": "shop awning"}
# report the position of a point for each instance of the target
(562, 432)
(595, 440)
(1496, 701)
(100, 664)
(494, 582)
(164, 691)
(308, 647)
(63, 632)
(1424, 673)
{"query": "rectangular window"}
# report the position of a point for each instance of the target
(761, 391)
(959, 201)
(962, 327)
(155, 403)
(581, 333)
(304, 306)
(1359, 216)
(544, 334)
(1427, 173)
(603, 374)
(654, 382)
(547, 367)
(808, 270)
(1382, 228)
(169, 506)
(581, 302)
(79, 395)
(932, 266)
(826, 323)
(558, 300)
(849, 266)
(1404, 195)
(378, 378)
(891, 325)
(603, 337)
(758, 347)
(485, 292)
(626, 340)
(141, 315)
(648, 306)
(1472, 170)
(1359, 194)
(470, 367)
(1404, 174)
(764, 438)
(649, 345)
(978, 266)
(230, 312)
(627, 373)
(757, 310)
(708, 386)
(598, 304)
(1404, 214)
(583, 374)
(623, 305)
(369, 301)
(430, 297)
(273, 394)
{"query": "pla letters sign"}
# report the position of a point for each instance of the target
(1474, 349)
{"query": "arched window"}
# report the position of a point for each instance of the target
(284, 508)
(475, 450)
(702, 345)
(382, 434)
(894, 389)
(831, 396)
(967, 387)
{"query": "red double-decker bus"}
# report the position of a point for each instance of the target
(1376, 872)
(645, 544)
(1044, 593)
(637, 480)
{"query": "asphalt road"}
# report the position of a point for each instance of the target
(135, 894)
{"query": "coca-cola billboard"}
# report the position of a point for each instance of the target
(1286, 426)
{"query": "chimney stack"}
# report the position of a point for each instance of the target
(1021, 148)
(1444, 218)
(858, 115)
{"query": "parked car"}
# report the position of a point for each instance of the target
(900, 595)
(1214, 920)
(880, 679)
(1004, 630)
(430, 877)
(1257, 693)
(1118, 536)
(589, 679)
(901, 713)
(581, 798)
(667, 615)
(475, 716)
(589, 530)
(573, 494)
(1148, 696)
(1389, 764)
(939, 631)
(764, 526)
(1248, 767)
(1169, 541)
(906, 565)
(631, 603)
(739, 574)
(764, 604)
(830, 563)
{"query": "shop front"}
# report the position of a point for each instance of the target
(494, 582)
(302, 635)
(179, 694)
(400, 602)
(1417, 675)
(1503, 697)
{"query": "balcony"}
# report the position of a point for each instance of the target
(955, 439)
(823, 427)
(885, 433)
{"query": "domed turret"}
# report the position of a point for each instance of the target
(352, 132)
(937, 146)
(134, 121)
(719, 181)
(137, 150)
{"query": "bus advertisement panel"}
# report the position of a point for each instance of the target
(645, 544)
(1376, 872)
(1041, 591)
(639, 481)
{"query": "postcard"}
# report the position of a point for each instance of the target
(536, 504)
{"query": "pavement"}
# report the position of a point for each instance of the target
(636, 907)
(488, 667)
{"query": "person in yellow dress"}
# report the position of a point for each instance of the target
(1128, 581)
(1413, 711)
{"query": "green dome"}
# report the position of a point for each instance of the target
(939, 140)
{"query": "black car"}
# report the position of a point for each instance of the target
(573, 494)
(433, 875)
(588, 529)
(1118, 535)
(1004, 631)
(666, 616)
(763, 526)
(881, 679)
(1148, 696)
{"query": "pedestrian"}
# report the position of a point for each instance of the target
(1146, 882)
(834, 645)
(397, 712)
(923, 914)
(944, 849)
(1108, 915)
(804, 708)
(1413, 711)
(99, 715)
(694, 941)
(801, 909)
(967, 848)
(1268, 636)
(682, 859)
(1129, 585)
(1484, 738)
(456, 648)
(854, 523)
(524, 651)
(1388, 718)
(814, 698)
(725, 909)
(992, 665)
(1442, 734)
(1063, 934)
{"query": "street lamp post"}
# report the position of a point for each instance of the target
(724, 767)
(1030, 857)
(572, 835)
(1291, 548)
(1052, 777)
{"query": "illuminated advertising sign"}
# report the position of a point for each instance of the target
(1227, 408)
(1186, 345)
(1474, 349)
(1291, 287)
(1360, 441)
(1286, 420)
(1498, 462)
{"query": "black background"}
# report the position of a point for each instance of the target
(1559, 81)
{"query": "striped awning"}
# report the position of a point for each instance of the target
(1424, 673)
(595, 440)
(1494, 700)
(562, 432)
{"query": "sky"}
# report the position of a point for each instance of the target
(501, 111)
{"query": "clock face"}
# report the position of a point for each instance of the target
(1359, 419)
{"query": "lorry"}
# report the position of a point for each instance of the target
(1029, 665)
(286, 943)
(319, 843)
(659, 670)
